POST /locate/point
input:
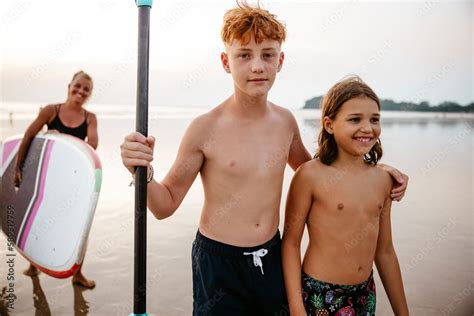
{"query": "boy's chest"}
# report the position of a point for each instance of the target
(240, 151)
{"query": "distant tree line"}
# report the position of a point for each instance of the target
(390, 105)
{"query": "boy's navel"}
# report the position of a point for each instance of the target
(340, 206)
(232, 163)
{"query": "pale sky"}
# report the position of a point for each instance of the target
(406, 50)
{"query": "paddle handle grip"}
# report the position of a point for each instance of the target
(144, 3)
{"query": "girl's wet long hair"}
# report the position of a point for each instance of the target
(341, 92)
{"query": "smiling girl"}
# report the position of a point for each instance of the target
(344, 200)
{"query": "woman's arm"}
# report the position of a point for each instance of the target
(43, 118)
(298, 204)
(92, 134)
(387, 263)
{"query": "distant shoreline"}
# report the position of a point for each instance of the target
(390, 105)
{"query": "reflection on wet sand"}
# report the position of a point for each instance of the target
(3, 302)
(39, 299)
(81, 307)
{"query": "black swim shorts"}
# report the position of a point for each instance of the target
(230, 280)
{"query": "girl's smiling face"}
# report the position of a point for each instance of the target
(356, 127)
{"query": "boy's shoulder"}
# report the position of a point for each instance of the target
(284, 117)
(200, 129)
(206, 123)
(206, 120)
(279, 109)
(282, 112)
(213, 115)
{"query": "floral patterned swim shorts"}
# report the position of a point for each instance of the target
(321, 298)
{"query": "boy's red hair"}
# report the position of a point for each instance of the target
(244, 21)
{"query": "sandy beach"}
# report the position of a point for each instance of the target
(432, 226)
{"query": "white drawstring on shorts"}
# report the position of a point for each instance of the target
(257, 257)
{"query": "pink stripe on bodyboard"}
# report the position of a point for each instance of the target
(8, 148)
(39, 198)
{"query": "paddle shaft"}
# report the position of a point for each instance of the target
(139, 282)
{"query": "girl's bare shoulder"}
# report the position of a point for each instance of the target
(312, 170)
(382, 177)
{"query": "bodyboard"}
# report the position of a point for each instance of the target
(48, 218)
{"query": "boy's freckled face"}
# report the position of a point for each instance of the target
(253, 66)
